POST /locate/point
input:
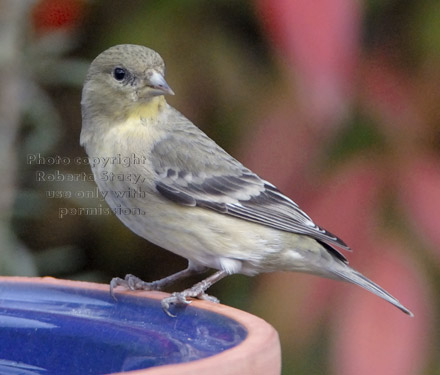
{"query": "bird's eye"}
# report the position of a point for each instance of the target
(119, 74)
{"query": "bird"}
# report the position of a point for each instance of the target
(169, 183)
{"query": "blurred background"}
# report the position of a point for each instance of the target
(336, 102)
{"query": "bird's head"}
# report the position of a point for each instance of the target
(122, 78)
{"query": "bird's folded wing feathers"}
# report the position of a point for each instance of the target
(193, 170)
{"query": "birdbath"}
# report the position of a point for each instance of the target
(52, 327)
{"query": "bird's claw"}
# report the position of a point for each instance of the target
(175, 299)
(180, 298)
(131, 282)
(207, 297)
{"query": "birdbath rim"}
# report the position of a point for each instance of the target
(257, 350)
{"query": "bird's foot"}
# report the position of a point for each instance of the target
(180, 298)
(132, 282)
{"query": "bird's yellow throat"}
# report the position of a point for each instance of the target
(147, 110)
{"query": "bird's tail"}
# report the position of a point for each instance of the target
(346, 273)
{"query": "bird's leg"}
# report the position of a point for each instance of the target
(196, 291)
(135, 283)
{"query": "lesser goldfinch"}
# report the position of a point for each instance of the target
(185, 193)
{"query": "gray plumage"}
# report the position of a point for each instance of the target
(198, 201)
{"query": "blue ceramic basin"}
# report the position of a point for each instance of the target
(53, 330)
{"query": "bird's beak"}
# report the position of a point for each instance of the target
(159, 85)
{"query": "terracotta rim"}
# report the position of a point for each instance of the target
(259, 353)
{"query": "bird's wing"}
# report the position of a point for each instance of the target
(193, 170)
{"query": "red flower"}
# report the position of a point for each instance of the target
(57, 15)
